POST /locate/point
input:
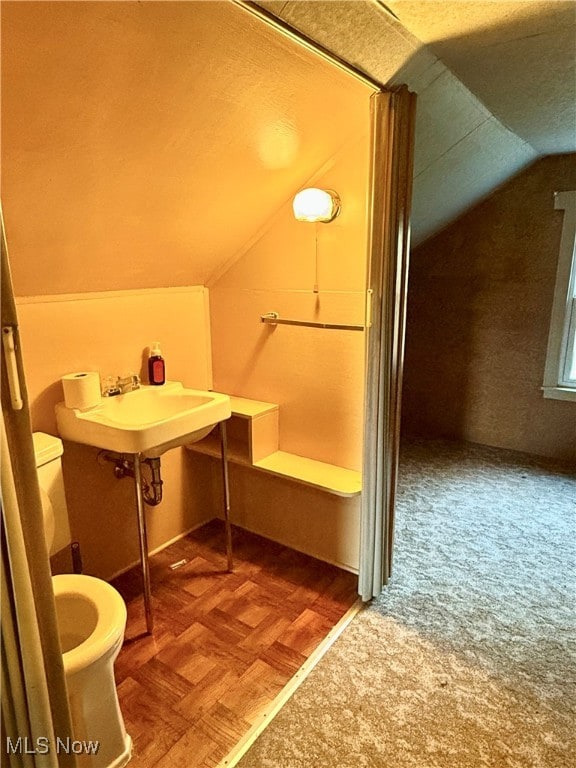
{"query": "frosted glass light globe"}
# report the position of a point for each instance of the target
(316, 205)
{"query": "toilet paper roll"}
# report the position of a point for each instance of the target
(81, 390)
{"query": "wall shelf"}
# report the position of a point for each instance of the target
(253, 442)
(318, 474)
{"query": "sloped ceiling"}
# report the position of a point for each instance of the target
(517, 58)
(496, 84)
(144, 143)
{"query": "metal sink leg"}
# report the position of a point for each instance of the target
(226, 489)
(140, 509)
(143, 544)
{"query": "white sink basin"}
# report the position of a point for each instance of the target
(149, 420)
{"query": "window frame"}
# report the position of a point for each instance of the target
(560, 352)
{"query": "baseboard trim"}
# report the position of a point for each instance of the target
(152, 552)
(291, 545)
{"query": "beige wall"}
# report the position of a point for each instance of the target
(110, 333)
(315, 375)
(480, 297)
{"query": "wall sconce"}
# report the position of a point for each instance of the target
(316, 205)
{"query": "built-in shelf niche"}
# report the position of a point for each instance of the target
(252, 432)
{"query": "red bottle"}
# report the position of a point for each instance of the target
(156, 366)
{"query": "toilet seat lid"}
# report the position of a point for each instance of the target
(46, 448)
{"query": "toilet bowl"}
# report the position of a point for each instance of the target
(91, 617)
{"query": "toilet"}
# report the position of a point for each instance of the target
(91, 618)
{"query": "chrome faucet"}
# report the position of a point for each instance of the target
(120, 385)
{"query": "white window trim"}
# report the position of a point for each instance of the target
(563, 318)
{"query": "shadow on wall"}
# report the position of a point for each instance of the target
(439, 343)
(479, 302)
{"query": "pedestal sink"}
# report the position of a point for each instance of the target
(149, 420)
(145, 423)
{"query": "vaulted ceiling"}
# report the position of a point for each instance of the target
(496, 84)
(145, 143)
(171, 132)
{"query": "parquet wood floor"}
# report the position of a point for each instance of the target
(224, 644)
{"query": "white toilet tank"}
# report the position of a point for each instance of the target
(48, 450)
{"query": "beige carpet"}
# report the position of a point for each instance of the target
(467, 659)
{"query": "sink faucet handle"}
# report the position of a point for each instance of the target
(111, 386)
(128, 382)
(118, 385)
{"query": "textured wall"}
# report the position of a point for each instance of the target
(480, 298)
